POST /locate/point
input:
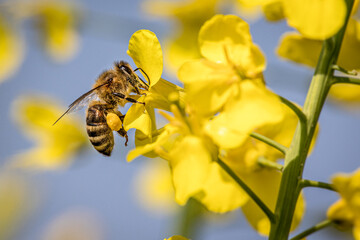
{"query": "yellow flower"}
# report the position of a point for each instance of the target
(154, 189)
(190, 16)
(145, 50)
(17, 201)
(314, 19)
(57, 23)
(225, 101)
(11, 49)
(192, 156)
(230, 56)
(306, 51)
(54, 145)
(346, 212)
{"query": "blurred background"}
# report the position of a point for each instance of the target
(50, 54)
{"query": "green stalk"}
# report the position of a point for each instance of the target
(355, 81)
(248, 190)
(269, 142)
(313, 229)
(317, 184)
(295, 158)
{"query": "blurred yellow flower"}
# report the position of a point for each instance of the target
(17, 201)
(314, 19)
(57, 22)
(11, 49)
(306, 51)
(345, 213)
(145, 50)
(54, 145)
(154, 189)
(190, 16)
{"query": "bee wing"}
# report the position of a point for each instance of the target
(81, 102)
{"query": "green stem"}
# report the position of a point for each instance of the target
(290, 185)
(346, 80)
(270, 142)
(262, 161)
(300, 114)
(312, 229)
(295, 109)
(248, 190)
(343, 70)
(310, 183)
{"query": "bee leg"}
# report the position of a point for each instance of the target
(120, 95)
(123, 133)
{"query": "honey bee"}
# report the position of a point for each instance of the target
(111, 90)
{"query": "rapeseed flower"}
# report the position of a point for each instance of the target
(229, 57)
(304, 50)
(145, 50)
(57, 23)
(54, 145)
(225, 100)
(314, 19)
(11, 49)
(345, 213)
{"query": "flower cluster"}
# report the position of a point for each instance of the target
(224, 100)
(54, 21)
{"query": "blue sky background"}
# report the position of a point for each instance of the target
(105, 185)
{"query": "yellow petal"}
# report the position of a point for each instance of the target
(223, 35)
(316, 19)
(146, 145)
(190, 162)
(273, 10)
(299, 49)
(348, 57)
(11, 50)
(160, 92)
(255, 107)
(222, 134)
(341, 214)
(208, 85)
(140, 117)
(145, 50)
(356, 230)
(346, 93)
(220, 193)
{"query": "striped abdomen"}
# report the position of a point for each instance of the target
(100, 134)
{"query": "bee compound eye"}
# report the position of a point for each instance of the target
(126, 69)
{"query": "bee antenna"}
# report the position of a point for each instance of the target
(144, 74)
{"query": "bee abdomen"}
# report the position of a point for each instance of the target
(100, 134)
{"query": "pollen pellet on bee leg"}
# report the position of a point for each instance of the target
(113, 121)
